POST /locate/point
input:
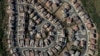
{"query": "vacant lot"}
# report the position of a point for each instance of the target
(97, 4)
(2, 25)
(93, 8)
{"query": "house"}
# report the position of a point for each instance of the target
(34, 32)
(22, 15)
(11, 51)
(93, 31)
(46, 54)
(93, 47)
(32, 1)
(51, 18)
(37, 53)
(48, 15)
(57, 23)
(50, 52)
(54, 50)
(9, 46)
(13, 54)
(75, 27)
(41, 43)
(57, 2)
(50, 28)
(26, 52)
(59, 26)
(9, 11)
(43, 34)
(48, 3)
(21, 43)
(9, 41)
(77, 53)
(35, 18)
(30, 10)
(86, 16)
(37, 43)
(51, 33)
(77, 19)
(38, 21)
(67, 8)
(72, 51)
(61, 39)
(44, 13)
(46, 25)
(32, 14)
(90, 25)
(91, 52)
(88, 21)
(11, 18)
(58, 47)
(81, 13)
(21, 36)
(29, 1)
(42, 10)
(21, 8)
(69, 20)
(76, 42)
(31, 25)
(9, 1)
(47, 42)
(93, 41)
(76, 5)
(82, 43)
(55, 20)
(74, 1)
(31, 53)
(66, 53)
(27, 42)
(65, 14)
(31, 33)
(95, 35)
(79, 9)
(10, 7)
(32, 42)
(51, 37)
(21, 1)
(38, 35)
(25, 8)
(38, 6)
(41, 54)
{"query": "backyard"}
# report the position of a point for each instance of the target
(91, 6)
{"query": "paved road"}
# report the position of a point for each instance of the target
(87, 31)
(35, 48)
(38, 48)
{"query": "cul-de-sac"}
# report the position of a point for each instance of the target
(50, 28)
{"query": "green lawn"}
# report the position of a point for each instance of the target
(93, 8)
